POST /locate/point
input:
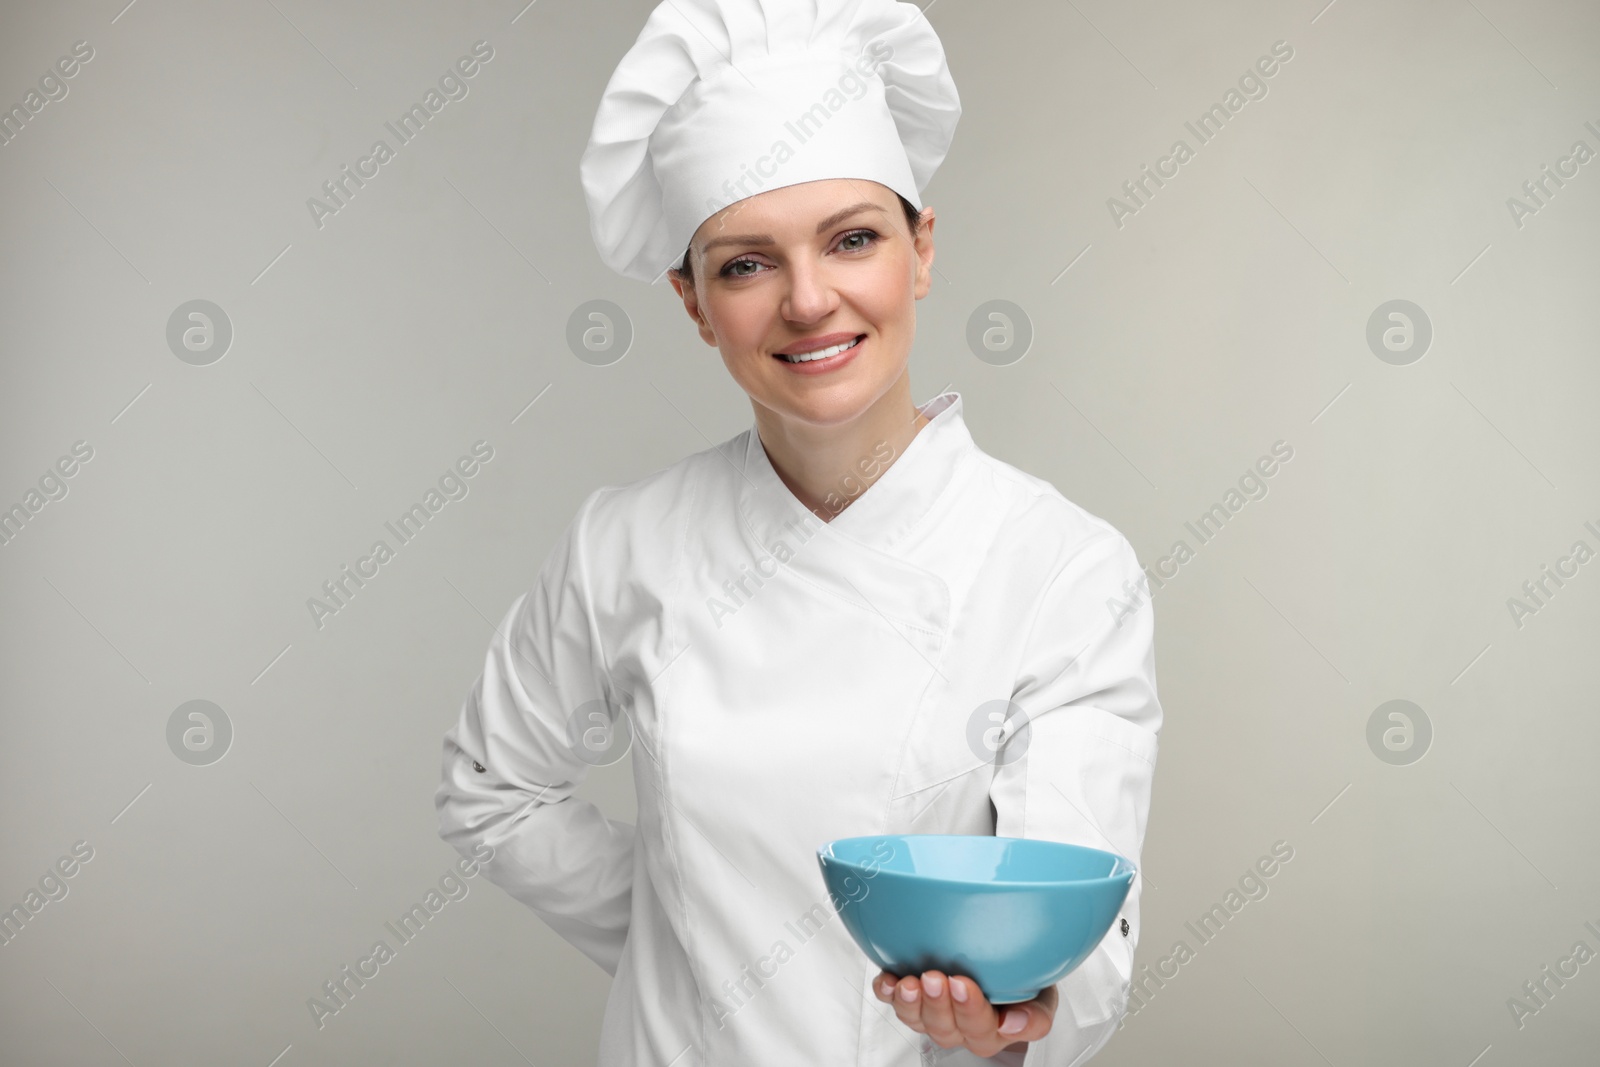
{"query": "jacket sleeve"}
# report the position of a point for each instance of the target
(1088, 688)
(510, 766)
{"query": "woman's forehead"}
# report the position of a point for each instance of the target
(796, 209)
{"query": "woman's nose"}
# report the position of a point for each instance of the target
(811, 297)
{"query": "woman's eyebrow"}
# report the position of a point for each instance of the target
(766, 238)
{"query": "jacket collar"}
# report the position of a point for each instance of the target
(859, 557)
(887, 511)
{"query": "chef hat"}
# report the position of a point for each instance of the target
(719, 100)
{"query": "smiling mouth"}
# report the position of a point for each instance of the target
(821, 353)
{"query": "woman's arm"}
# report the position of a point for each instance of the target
(510, 768)
(1088, 687)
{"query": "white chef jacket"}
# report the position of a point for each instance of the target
(789, 682)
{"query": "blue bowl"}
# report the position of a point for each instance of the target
(1015, 915)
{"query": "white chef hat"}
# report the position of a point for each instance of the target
(718, 100)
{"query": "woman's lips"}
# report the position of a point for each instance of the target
(824, 366)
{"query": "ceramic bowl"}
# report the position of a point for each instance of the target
(1015, 915)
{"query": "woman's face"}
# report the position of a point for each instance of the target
(807, 267)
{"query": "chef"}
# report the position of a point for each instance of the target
(846, 620)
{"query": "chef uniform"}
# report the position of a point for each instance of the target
(960, 650)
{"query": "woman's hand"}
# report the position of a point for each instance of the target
(955, 1013)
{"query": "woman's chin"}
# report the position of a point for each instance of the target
(821, 407)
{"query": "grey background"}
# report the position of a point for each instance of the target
(370, 353)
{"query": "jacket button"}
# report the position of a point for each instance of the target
(479, 768)
(1124, 927)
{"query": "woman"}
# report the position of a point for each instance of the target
(845, 620)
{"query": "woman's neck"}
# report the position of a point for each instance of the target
(827, 467)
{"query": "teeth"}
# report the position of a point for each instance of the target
(821, 353)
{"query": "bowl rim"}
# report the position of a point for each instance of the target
(1129, 871)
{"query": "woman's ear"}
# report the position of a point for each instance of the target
(922, 242)
(691, 304)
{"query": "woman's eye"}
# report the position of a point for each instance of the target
(869, 235)
(731, 268)
(728, 268)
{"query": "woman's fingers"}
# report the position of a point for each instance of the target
(938, 1015)
(953, 1011)
(1029, 1021)
(973, 1016)
(988, 1028)
(908, 1002)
